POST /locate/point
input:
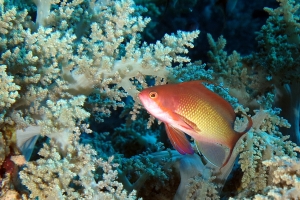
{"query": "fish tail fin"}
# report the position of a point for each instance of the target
(218, 154)
(239, 135)
(249, 125)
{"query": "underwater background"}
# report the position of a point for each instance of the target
(73, 127)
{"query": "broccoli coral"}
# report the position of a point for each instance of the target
(67, 64)
(278, 57)
(72, 50)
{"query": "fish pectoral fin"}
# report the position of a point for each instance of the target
(179, 140)
(188, 124)
(214, 153)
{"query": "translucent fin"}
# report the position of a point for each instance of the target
(179, 140)
(26, 140)
(184, 122)
(216, 154)
(28, 146)
(190, 124)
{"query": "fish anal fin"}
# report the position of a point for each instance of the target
(179, 140)
(214, 153)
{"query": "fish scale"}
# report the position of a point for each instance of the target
(205, 116)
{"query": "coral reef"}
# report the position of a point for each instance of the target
(72, 127)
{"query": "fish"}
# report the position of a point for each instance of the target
(190, 108)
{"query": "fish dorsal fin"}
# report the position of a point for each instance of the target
(179, 140)
(216, 154)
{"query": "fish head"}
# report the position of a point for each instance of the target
(158, 101)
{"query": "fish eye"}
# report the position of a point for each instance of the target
(153, 95)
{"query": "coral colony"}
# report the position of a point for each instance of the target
(72, 125)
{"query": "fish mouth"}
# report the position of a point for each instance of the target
(150, 105)
(146, 103)
(143, 96)
(154, 109)
(140, 95)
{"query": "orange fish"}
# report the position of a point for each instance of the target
(193, 109)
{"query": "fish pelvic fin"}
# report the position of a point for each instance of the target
(179, 140)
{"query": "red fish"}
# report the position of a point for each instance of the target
(193, 109)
